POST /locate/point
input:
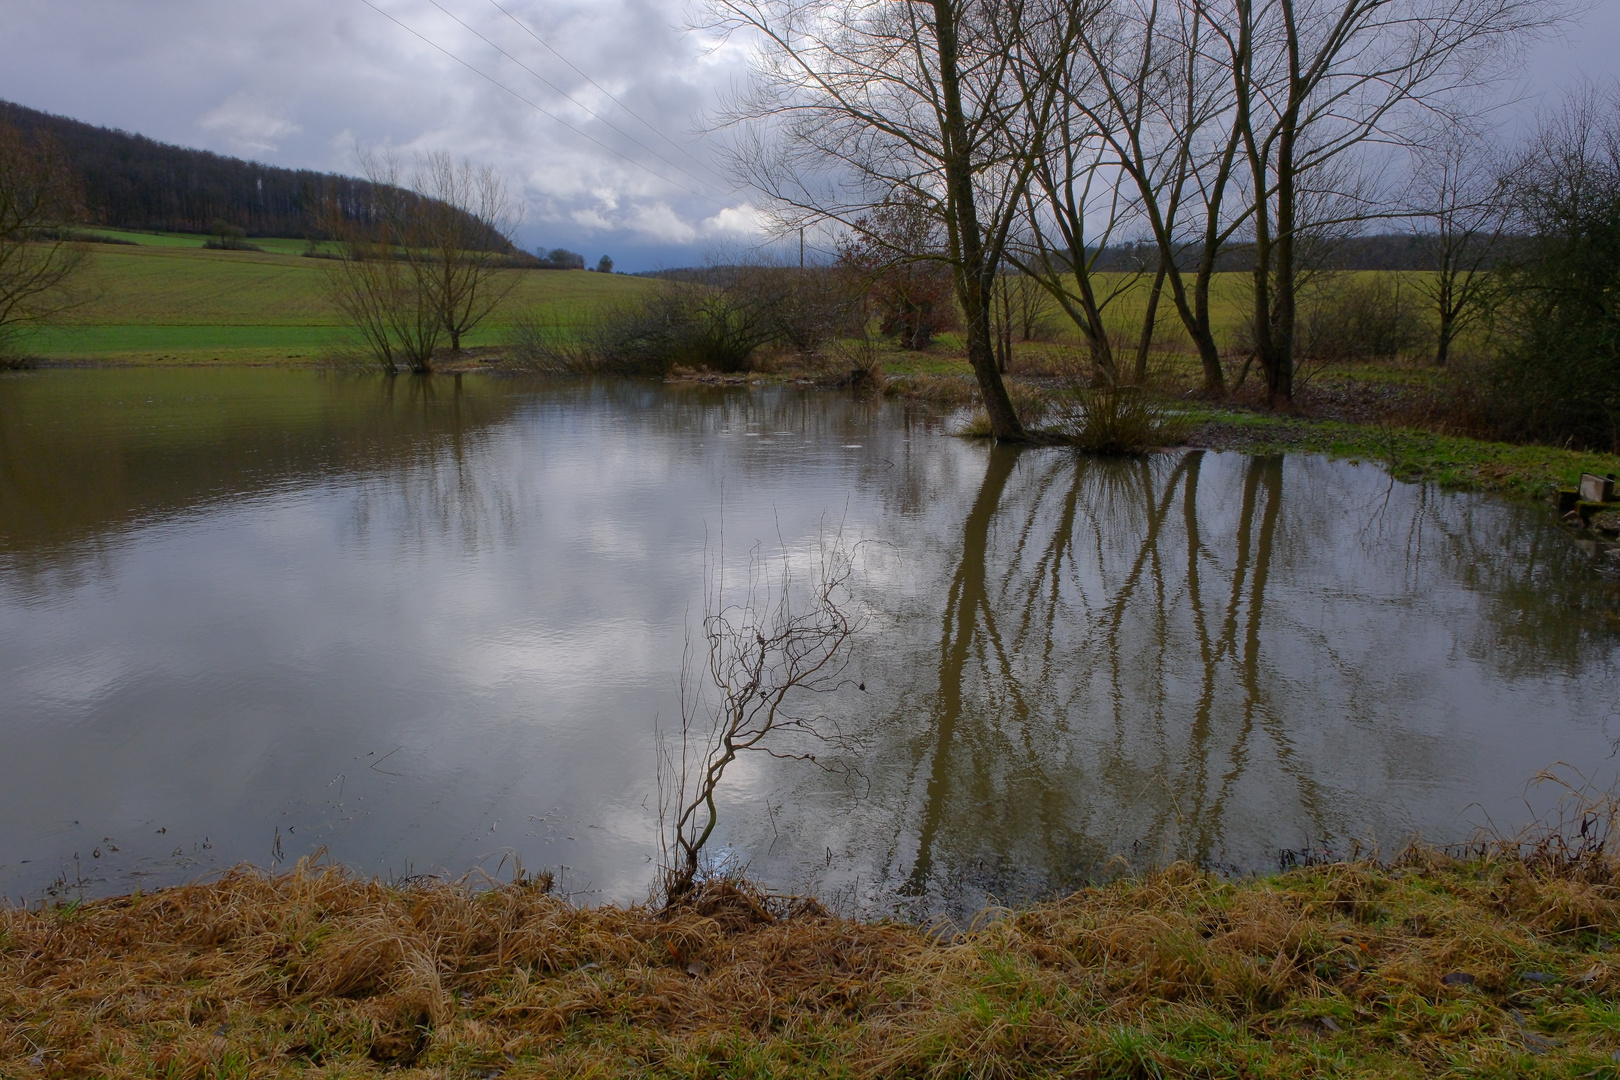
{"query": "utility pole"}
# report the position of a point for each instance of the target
(801, 247)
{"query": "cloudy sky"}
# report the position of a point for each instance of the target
(592, 108)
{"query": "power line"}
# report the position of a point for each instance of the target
(608, 94)
(565, 93)
(542, 111)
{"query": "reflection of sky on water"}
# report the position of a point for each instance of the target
(426, 626)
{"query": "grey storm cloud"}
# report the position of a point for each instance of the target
(304, 82)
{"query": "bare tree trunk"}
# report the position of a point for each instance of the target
(1149, 321)
(1004, 314)
(1280, 368)
(975, 273)
(1442, 345)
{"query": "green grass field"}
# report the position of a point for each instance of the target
(168, 299)
(164, 298)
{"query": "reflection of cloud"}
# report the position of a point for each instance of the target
(250, 124)
(72, 682)
(495, 588)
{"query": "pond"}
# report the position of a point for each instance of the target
(430, 625)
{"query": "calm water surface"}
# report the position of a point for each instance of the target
(429, 624)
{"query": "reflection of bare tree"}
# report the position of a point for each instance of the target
(1090, 680)
(967, 604)
(444, 484)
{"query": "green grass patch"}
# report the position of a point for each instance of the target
(280, 245)
(1409, 454)
(116, 339)
(170, 297)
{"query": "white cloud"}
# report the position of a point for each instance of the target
(250, 124)
(734, 221)
(590, 218)
(657, 221)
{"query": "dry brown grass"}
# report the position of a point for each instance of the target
(1331, 970)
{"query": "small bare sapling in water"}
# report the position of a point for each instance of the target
(771, 654)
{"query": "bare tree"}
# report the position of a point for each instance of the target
(466, 222)
(857, 104)
(1068, 173)
(422, 262)
(1155, 103)
(1080, 199)
(767, 659)
(39, 259)
(1461, 204)
(1247, 120)
(379, 281)
(1315, 82)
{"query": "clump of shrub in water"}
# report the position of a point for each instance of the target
(1033, 405)
(1106, 418)
(1117, 420)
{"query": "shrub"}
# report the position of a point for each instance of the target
(680, 324)
(547, 342)
(1032, 404)
(1557, 375)
(562, 259)
(1360, 317)
(715, 319)
(686, 325)
(1117, 420)
(227, 237)
(804, 308)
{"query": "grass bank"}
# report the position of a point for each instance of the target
(1413, 454)
(1371, 412)
(1432, 967)
(1455, 462)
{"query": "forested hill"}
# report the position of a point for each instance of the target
(133, 182)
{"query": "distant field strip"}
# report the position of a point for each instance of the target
(170, 296)
(182, 337)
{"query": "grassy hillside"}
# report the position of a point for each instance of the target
(165, 297)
